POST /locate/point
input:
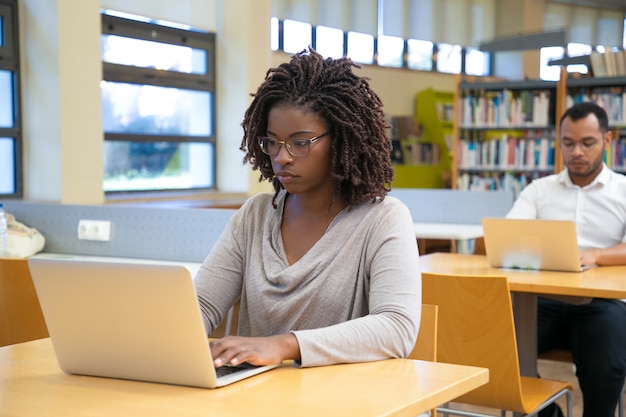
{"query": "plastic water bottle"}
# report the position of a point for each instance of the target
(4, 241)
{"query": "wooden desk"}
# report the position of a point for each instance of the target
(459, 234)
(31, 384)
(600, 282)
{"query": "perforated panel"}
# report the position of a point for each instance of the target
(146, 233)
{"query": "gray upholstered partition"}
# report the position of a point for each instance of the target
(453, 206)
(167, 234)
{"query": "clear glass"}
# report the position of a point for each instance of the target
(391, 51)
(546, 54)
(296, 36)
(7, 166)
(148, 54)
(274, 33)
(6, 99)
(329, 41)
(476, 62)
(146, 166)
(420, 55)
(147, 109)
(361, 47)
(1, 31)
(449, 58)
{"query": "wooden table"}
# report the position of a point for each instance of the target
(579, 287)
(31, 384)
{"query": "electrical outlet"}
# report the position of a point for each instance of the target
(94, 230)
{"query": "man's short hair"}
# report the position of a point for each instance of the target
(581, 110)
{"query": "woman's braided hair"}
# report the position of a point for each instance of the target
(361, 148)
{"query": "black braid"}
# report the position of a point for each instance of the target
(361, 148)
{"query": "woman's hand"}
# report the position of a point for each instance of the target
(270, 350)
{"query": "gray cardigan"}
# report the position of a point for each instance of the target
(355, 296)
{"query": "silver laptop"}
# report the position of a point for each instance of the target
(133, 321)
(532, 244)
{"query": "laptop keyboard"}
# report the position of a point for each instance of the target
(230, 369)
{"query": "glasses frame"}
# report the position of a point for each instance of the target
(288, 144)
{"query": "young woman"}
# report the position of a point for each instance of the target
(326, 268)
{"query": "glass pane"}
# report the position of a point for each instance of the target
(553, 72)
(143, 166)
(329, 41)
(296, 36)
(6, 99)
(7, 166)
(476, 62)
(274, 31)
(361, 47)
(1, 31)
(449, 58)
(148, 54)
(420, 55)
(391, 51)
(147, 109)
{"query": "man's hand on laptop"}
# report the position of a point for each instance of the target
(235, 350)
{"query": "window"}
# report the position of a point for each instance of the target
(158, 106)
(361, 47)
(449, 58)
(390, 51)
(10, 116)
(329, 42)
(420, 55)
(297, 36)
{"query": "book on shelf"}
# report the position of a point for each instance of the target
(409, 146)
(506, 181)
(501, 150)
(598, 66)
(611, 63)
(505, 108)
(612, 100)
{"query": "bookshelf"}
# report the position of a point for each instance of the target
(609, 93)
(423, 142)
(504, 133)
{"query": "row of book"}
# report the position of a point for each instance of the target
(505, 108)
(611, 63)
(506, 181)
(613, 102)
(507, 152)
(615, 154)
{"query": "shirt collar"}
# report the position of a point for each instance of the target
(601, 179)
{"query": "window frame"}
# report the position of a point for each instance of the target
(10, 61)
(156, 32)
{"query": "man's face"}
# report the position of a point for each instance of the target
(583, 144)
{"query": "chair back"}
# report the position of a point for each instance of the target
(476, 328)
(425, 348)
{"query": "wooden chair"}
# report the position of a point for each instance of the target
(476, 328)
(564, 355)
(21, 319)
(425, 348)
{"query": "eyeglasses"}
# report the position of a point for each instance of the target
(295, 147)
(585, 145)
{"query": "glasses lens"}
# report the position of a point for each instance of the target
(298, 147)
(268, 145)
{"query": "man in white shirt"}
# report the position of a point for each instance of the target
(593, 196)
